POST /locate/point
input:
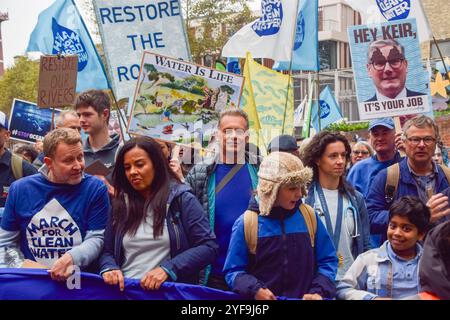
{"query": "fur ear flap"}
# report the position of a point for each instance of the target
(265, 186)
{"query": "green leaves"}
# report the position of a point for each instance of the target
(347, 127)
(20, 81)
(210, 23)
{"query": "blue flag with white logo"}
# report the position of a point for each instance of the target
(305, 54)
(61, 30)
(233, 65)
(330, 112)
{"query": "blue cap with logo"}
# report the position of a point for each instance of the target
(385, 122)
(3, 120)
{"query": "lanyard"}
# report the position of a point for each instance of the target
(323, 203)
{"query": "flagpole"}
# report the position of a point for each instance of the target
(440, 55)
(52, 126)
(290, 67)
(318, 70)
(104, 71)
(318, 99)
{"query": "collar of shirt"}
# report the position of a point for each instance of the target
(393, 256)
(401, 95)
(435, 172)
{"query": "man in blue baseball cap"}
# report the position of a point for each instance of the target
(12, 167)
(383, 140)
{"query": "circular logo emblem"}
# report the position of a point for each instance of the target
(324, 109)
(272, 16)
(300, 32)
(66, 41)
(394, 10)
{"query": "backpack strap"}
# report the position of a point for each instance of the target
(251, 226)
(251, 230)
(446, 172)
(390, 189)
(228, 177)
(16, 166)
(311, 221)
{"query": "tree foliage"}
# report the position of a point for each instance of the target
(210, 23)
(348, 127)
(20, 81)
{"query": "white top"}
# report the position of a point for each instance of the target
(142, 252)
(347, 229)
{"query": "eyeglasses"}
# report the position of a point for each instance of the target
(358, 152)
(415, 141)
(381, 64)
(237, 132)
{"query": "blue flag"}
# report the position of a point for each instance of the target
(305, 55)
(60, 29)
(329, 110)
(233, 65)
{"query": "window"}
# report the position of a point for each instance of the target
(328, 55)
(444, 46)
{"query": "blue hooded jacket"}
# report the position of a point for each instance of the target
(284, 262)
(192, 244)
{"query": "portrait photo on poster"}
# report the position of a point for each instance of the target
(390, 77)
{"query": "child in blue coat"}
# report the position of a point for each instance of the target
(285, 262)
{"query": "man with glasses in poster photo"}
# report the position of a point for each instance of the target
(388, 67)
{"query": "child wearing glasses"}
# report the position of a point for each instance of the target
(390, 271)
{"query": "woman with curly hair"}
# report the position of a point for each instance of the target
(340, 207)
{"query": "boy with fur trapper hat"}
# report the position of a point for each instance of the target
(287, 260)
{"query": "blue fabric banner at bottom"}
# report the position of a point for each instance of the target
(36, 284)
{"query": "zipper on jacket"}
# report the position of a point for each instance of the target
(285, 260)
(177, 232)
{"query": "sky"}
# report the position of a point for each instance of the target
(23, 15)
(16, 31)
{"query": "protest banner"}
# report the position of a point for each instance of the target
(57, 80)
(378, 11)
(175, 99)
(389, 75)
(29, 123)
(128, 27)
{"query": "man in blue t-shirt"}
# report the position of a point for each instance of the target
(224, 186)
(58, 215)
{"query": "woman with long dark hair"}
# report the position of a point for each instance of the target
(341, 208)
(158, 230)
